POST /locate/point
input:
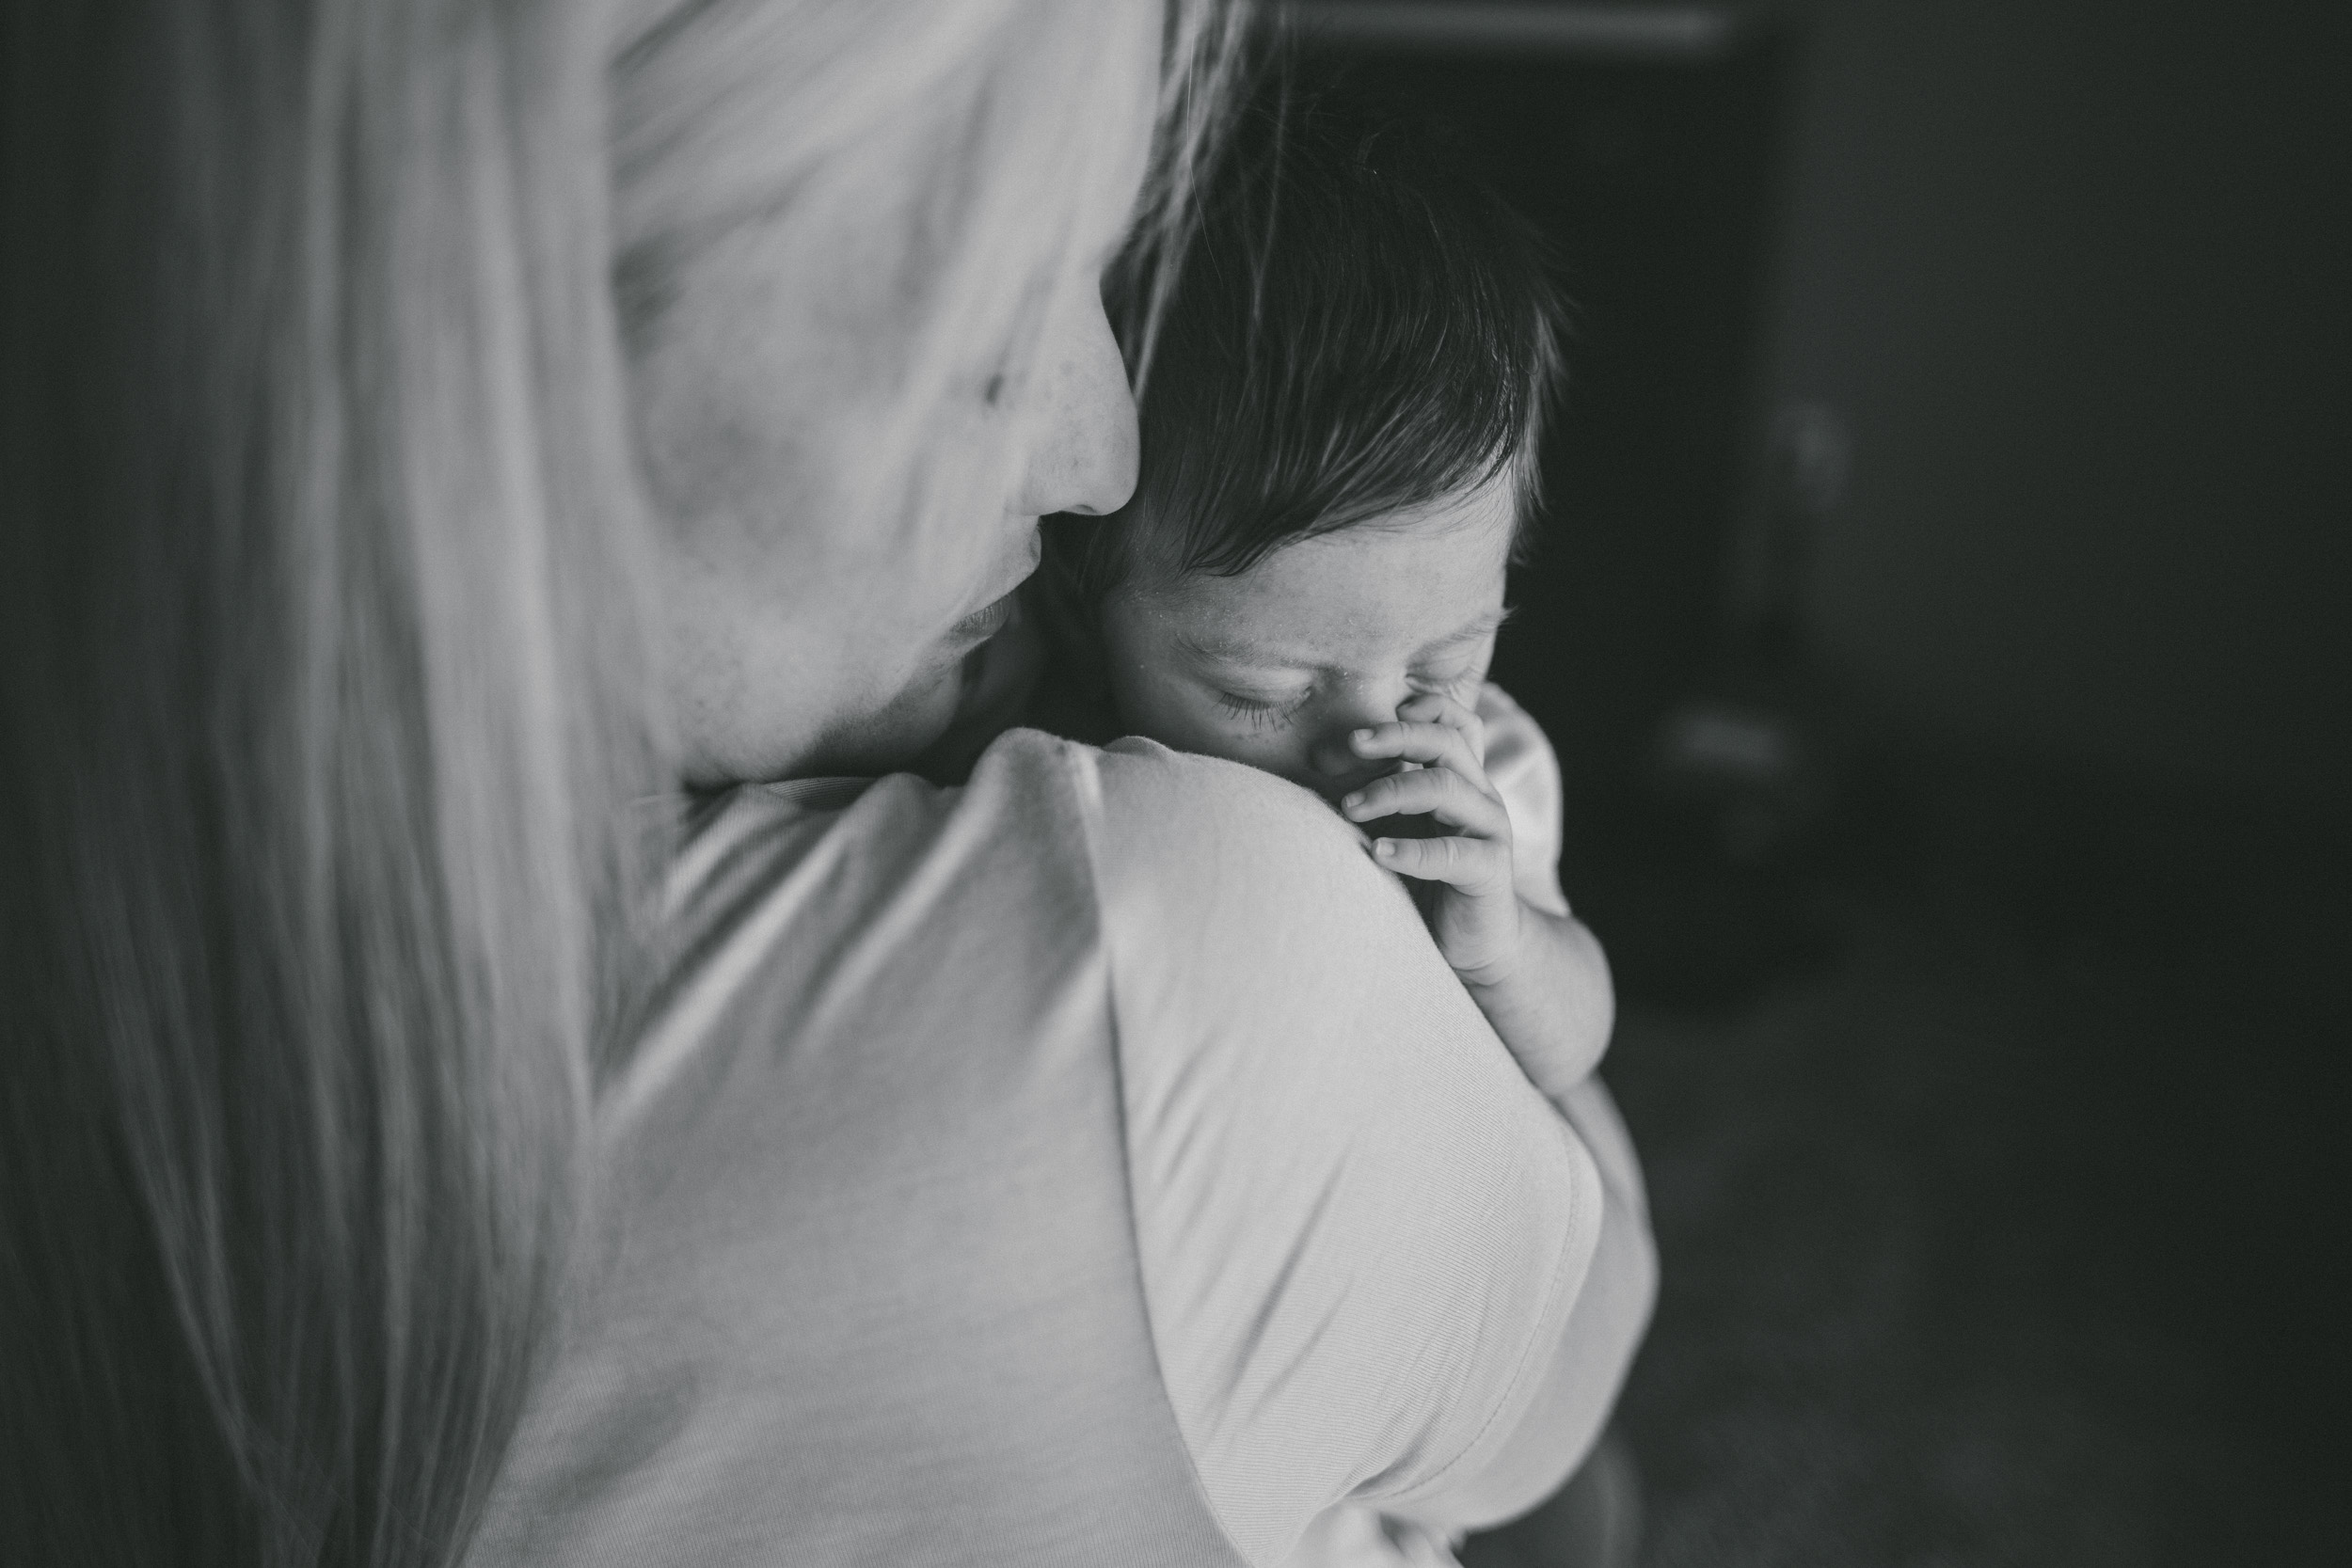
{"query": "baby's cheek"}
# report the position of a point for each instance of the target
(1285, 752)
(1175, 715)
(1194, 718)
(1220, 735)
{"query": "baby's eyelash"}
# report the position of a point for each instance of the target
(1234, 705)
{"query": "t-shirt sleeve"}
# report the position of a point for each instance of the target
(1525, 772)
(1361, 1231)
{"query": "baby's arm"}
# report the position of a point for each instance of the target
(1539, 977)
(1555, 1008)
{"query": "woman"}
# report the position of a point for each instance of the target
(442, 429)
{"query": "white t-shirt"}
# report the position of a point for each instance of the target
(1093, 1164)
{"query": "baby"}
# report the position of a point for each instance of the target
(1339, 419)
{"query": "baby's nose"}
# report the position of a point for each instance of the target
(1340, 769)
(1361, 707)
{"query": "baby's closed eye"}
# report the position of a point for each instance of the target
(1260, 707)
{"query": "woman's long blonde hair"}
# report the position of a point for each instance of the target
(326, 686)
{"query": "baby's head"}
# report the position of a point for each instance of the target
(1339, 424)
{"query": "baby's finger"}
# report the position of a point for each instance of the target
(1473, 864)
(1439, 792)
(1436, 708)
(1431, 744)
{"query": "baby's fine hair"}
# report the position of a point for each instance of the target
(1360, 328)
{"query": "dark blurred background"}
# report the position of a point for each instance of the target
(1943, 626)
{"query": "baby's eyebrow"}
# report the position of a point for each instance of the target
(1486, 625)
(1238, 650)
(1243, 650)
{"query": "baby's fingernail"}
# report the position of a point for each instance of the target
(1362, 738)
(1386, 848)
(1350, 802)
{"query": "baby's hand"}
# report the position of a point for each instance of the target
(1475, 912)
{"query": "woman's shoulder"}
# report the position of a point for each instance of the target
(1237, 907)
(1024, 786)
(866, 1159)
(1333, 1162)
(1149, 771)
(1246, 877)
(1330, 1160)
(1040, 820)
(1217, 829)
(1206, 875)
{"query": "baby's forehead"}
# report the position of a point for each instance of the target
(1343, 600)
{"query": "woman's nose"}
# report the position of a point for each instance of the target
(1083, 454)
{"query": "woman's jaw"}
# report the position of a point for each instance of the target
(982, 623)
(904, 727)
(745, 722)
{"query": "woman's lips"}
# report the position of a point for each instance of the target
(984, 622)
(993, 617)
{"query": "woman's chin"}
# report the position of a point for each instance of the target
(884, 737)
(891, 738)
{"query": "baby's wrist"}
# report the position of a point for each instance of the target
(1500, 970)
